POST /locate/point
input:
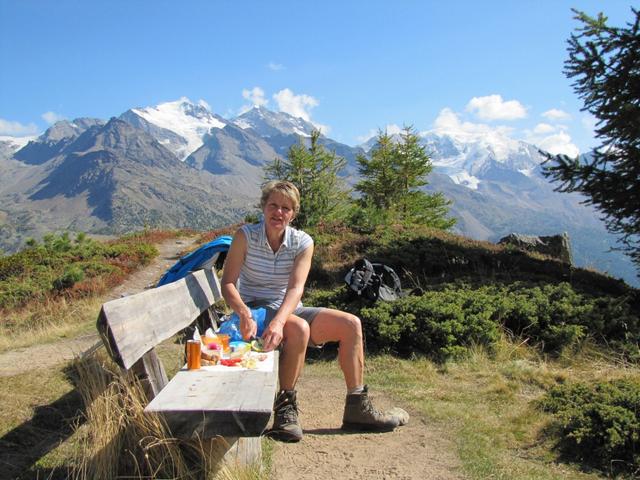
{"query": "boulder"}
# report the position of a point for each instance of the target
(556, 246)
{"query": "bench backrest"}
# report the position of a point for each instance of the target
(132, 326)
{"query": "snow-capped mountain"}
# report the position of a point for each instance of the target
(469, 159)
(54, 140)
(10, 144)
(180, 125)
(281, 130)
(178, 164)
(268, 124)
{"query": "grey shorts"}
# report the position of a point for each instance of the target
(306, 313)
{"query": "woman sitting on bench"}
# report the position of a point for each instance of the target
(267, 266)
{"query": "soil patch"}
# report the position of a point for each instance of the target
(415, 451)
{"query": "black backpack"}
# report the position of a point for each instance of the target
(373, 281)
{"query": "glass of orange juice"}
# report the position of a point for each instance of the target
(224, 339)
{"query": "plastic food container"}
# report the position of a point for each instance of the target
(238, 349)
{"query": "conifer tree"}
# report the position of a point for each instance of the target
(605, 63)
(377, 185)
(314, 170)
(393, 177)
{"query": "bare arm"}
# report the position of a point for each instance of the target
(232, 265)
(272, 335)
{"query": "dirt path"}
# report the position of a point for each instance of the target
(17, 361)
(416, 451)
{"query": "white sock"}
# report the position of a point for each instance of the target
(355, 390)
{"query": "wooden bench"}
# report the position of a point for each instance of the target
(205, 404)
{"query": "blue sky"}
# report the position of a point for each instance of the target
(350, 67)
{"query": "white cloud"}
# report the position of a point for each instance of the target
(256, 98)
(391, 129)
(52, 117)
(493, 107)
(298, 106)
(556, 115)
(16, 129)
(204, 104)
(554, 139)
(499, 137)
(448, 122)
(559, 143)
(543, 128)
(324, 129)
(275, 66)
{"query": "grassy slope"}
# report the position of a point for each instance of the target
(483, 400)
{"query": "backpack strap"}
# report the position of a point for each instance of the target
(361, 275)
(390, 286)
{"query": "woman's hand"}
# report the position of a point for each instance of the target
(272, 335)
(248, 327)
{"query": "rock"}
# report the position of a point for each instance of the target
(556, 246)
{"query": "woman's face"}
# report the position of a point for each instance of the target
(278, 211)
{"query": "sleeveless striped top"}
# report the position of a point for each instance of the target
(264, 276)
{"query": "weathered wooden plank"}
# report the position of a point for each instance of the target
(206, 403)
(150, 370)
(133, 325)
(208, 424)
(231, 452)
(243, 451)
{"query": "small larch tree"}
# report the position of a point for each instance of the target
(393, 177)
(315, 171)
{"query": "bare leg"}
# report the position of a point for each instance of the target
(294, 349)
(337, 326)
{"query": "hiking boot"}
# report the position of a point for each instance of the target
(285, 423)
(403, 416)
(359, 414)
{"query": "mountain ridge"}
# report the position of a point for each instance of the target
(137, 170)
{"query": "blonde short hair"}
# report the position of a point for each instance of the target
(283, 187)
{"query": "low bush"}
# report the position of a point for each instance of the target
(556, 316)
(443, 323)
(440, 324)
(60, 266)
(72, 274)
(598, 424)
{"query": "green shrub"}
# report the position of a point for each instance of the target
(556, 317)
(72, 274)
(552, 316)
(442, 323)
(95, 268)
(439, 324)
(598, 424)
(44, 270)
(14, 294)
(543, 301)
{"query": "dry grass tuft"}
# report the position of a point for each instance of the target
(44, 322)
(120, 440)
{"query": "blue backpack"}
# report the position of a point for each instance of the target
(213, 252)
